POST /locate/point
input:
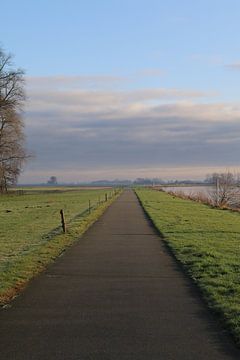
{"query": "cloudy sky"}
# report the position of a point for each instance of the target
(130, 88)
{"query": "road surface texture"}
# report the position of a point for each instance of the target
(116, 294)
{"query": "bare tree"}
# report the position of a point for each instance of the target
(226, 190)
(12, 152)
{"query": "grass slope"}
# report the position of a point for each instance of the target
(207, 242)
(31, 235)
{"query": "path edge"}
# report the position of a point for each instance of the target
(49, 252)
(217, 317)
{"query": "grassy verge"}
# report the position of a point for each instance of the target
(207, 243)
(30, 235)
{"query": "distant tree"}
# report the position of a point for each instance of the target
(52, 180)
(143, 181)
(12, 152)
(225, 190)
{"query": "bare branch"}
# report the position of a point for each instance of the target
(12, 96)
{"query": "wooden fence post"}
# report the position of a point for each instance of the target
(106, 197)
(64, 227)
(89, 206)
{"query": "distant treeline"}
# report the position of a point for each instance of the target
(126, 182)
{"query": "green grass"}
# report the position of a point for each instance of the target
(31, 235)
(207, 243)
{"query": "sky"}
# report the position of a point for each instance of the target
(126, 89)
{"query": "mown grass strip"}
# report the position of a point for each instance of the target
(25, 262)
(207, 243)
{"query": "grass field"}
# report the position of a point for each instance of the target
(207, 242)
(30, 231)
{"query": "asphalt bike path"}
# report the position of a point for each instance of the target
(115, 294)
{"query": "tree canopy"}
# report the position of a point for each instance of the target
(12, 97)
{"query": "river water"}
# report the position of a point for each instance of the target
(205, 193)
(190, 190)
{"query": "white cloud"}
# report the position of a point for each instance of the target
(79, 133)
(104, 81)
(233, 66)
(74, 81)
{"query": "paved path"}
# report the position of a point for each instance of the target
(116, 294)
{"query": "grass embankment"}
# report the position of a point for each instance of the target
(207, 243)
(31, 235)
